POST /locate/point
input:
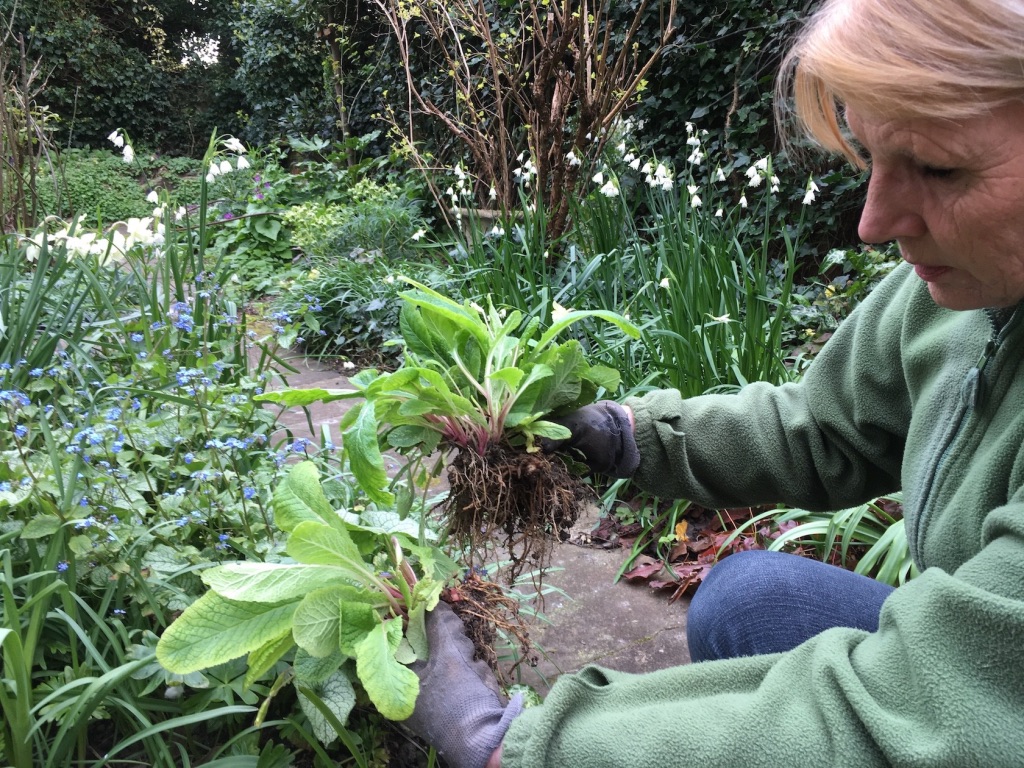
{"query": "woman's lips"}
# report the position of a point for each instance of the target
(930, 274)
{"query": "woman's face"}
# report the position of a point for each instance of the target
(951, 193)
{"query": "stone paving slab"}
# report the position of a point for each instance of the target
(593, 619)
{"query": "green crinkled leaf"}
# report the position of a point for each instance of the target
(391, 686)
(214, 630)
(266, 656)
(365, 460)
(357, 621)
(299, 497)
(317, 620)
(340, 697)
(603, 376)
(274, 582)
(408, 436)
(510, 377)
(436, 308)
(296, 398)
(317, 544)
(310, 670)
(550, 430)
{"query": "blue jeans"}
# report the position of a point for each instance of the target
(766, 602)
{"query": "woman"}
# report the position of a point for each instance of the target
(922, 388)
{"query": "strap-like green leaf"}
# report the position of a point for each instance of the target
(255, 582)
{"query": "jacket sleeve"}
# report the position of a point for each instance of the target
(939, 684)
(830, 441)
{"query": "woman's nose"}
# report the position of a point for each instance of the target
(891, 210)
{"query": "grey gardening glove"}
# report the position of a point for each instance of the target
(459, 710)
(603, 434)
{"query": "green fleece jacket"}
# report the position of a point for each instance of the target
(905, 395)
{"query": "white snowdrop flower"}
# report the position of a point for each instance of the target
(721, 318)
(693, 141)
(242, 163)
(493, 194)
(811, 192)
(634, 163)
(609, 189)
(695, 201)
(743, 201)
(719, 213)
(646, 168)
(628, 158)
(666, 183)
(689, 127)
(691, 189)
(696, 157)
(588, 137)
(459, 173)
(418, 234)
(598, 178)
(775, 180)
(663, 283)
(762, 164)
(116, 139)
(225, 167)
(572, 159)
(180, 213)
(234, 145)
(622, 147)
(128, 154)
(519, 158)
(719, 174)
(558, 311)
(152, 197)
(497, 231)
(755, 180)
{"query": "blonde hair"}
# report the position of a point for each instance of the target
(948, 59)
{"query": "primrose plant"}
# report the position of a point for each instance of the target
(351, 598)
(472, 379)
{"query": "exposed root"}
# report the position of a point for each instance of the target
(485, 609)
(516, 500)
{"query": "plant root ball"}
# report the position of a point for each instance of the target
(520, 501)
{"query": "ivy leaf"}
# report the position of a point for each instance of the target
(392, 687)
(214, 630)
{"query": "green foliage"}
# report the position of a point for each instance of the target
(333, 602)
(871, 537)
(96, 184)
(466, 383)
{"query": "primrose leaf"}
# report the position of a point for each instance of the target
(416, 632)
(317, 620)
(357, 621)
(263, 658)
(274, 582)
(408, 435)
(365, 459)
(387, 521)
(338, 695)
(510, 377)
(433, 305)
(299, 497)
(603, 376)
(291, 398)
(314, 543)
(550, 430)
(313, 670)
(214, 630)
(391, 686)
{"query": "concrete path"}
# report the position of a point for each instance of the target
(590, 618)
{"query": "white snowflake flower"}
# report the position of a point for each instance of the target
(225, 167)
(234, 145)
(242, 163)
(609, 189)
(663, 283)
(152, 197)
(558, 311)
(598, 178)
(116, 139)
(634, 163)
(810, 194)
(743, 201)
(418, 234)
(571, 159)
(128, 154)
(695, 201)
(719, 174)
(719, 213)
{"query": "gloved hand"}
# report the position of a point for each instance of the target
(459, 710)
(603, 433)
